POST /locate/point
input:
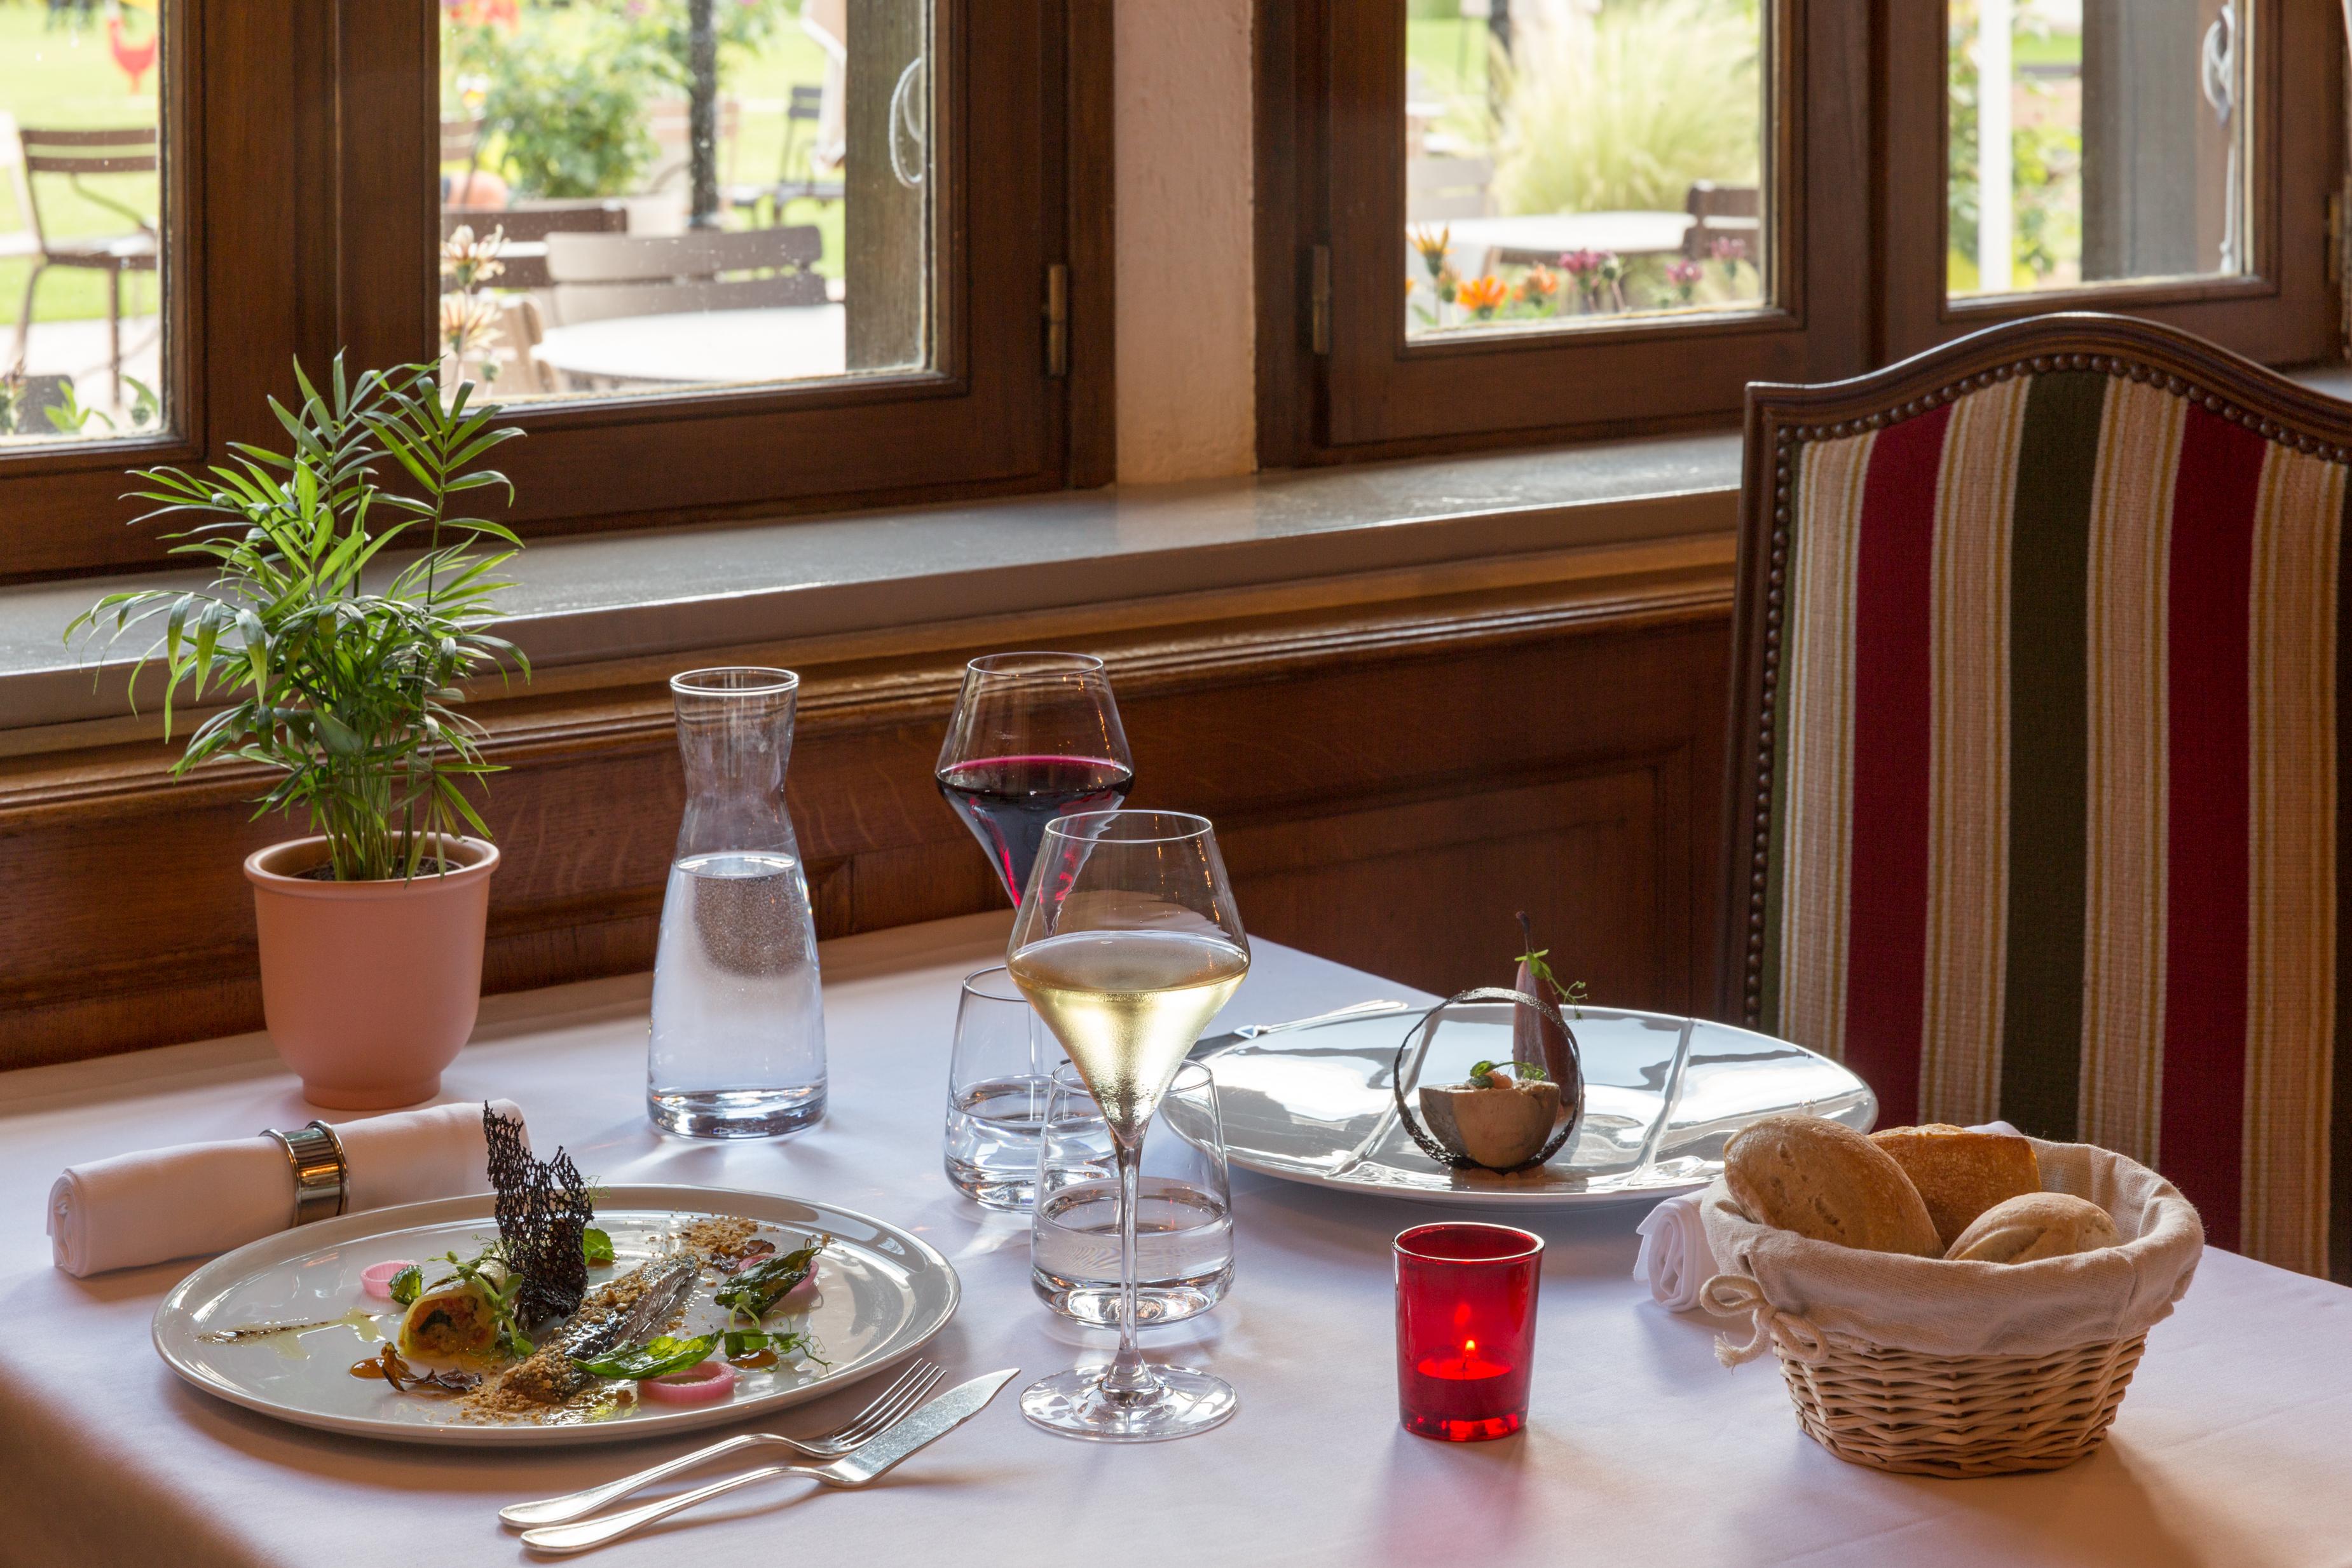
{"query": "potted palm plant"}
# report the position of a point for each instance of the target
(341, 666)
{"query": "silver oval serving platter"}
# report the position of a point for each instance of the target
(1314, 1103)
(881, 1294)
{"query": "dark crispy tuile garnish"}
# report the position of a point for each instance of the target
(543, 1212)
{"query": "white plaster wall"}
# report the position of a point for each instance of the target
(1187, 353)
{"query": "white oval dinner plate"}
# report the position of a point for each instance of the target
(882, 1295)
(1315, 1104)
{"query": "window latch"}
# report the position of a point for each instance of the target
(1057, 320)
(1319, 299)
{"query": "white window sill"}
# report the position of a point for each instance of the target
(594, 598)
(597, 598)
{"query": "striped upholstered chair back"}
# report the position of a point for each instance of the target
(2036, 758)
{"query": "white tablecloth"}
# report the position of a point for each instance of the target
(2235, 1446)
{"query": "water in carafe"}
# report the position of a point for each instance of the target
(738, 1035)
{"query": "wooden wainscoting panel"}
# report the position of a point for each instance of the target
(1427, 892)
(1392, 779)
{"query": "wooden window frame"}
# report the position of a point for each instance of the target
(302, 144)
(1331, 177)
(1861, 219)
(2284, 313)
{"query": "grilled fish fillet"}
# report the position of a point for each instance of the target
(629, 1311)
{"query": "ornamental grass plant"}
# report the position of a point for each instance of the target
(1624, 112)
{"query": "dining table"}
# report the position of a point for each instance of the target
(1478, 245)
(2234, 1446)
(703, 348)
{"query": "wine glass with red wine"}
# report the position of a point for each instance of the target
(1034, 736)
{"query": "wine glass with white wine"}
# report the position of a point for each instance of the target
(1127, 944)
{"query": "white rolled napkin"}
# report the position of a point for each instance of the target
(200, 1198)
(1674, 1258)
(1676, 1261)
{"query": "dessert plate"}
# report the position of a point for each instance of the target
(882, 1294)
(1314, 1103)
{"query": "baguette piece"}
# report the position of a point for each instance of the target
(1960, 1173)
(1822, 1179)
(2038, 1225)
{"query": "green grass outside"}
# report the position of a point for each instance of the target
(2053, 49)
(1451, 56)
(66, 79)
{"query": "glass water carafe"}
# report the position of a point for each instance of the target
(737, 1047)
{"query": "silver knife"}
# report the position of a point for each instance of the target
(858, 1467)
(926, 1426)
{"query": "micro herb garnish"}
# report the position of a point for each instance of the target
(595, 1246)
(407, 1285)
(1564, 996)
(742, 1343)
(661, 1354)
(754, 1292)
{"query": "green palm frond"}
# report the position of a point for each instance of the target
(345, 673)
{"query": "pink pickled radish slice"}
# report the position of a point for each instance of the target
(707, 1382)
(376, 1278)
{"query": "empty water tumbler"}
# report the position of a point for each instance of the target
(999, 1071)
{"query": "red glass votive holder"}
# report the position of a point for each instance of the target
(1465, 1330)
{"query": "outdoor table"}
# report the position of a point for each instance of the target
(701, 348)
(1483, 243)
(2234, 1446)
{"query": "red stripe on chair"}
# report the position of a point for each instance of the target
(1886, 953)
(2202, 1124)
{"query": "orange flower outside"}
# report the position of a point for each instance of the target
(1485, 295)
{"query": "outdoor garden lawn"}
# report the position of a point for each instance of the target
(66, 79)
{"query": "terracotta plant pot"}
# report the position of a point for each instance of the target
(370, 987)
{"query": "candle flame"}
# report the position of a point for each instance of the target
(1469, 1347)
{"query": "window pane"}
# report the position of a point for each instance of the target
(2116, 128)
(81, 223)
(650, 195)
(1582, 163)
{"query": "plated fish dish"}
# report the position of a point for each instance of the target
(554, 1320)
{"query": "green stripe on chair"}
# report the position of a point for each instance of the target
(2049, 760)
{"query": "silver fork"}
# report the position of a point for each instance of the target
(902, 1396)
(861, 1466)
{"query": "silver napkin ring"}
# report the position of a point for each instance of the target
(322, 1176)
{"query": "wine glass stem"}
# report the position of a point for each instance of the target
(1128, 1376)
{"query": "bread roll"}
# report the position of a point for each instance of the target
(2038, 1225)
(1822, 1179)
(1960, 1173)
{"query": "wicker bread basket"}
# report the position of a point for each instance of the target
(1925, 1368)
